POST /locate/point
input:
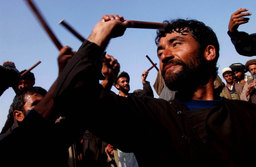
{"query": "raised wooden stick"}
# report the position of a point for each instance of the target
(144, 24)
(30, 68)
(154, 64)
(44, 24)
(68, 27)
(151, 67)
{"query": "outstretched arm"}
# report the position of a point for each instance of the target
(244, 43)
(238, 18)
(45, 106)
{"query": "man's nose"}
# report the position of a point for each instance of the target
(21, 86)
(167, 53)
(166, 56)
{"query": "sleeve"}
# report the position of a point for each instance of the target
(35, 140)
(80, 98)
(245, 44)
(10, 77)
(148, 90)
(86, 62)
(243, 93)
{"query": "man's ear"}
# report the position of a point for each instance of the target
(210, 53)
(18, 115)
(117, 86)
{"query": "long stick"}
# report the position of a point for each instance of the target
(151, 67)
(68, 27)
(80, 37)
(44, 24)
(152, 63)
(144, 24)
(30, 68)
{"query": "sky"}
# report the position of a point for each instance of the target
(25, 42)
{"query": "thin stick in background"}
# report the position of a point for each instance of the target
(74, 32)
(152, 67)
(44, 24)
(152, 63)
(30, 68)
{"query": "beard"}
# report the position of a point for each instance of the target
(125, 89)
(190, 76)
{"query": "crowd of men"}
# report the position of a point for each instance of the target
(198, 120)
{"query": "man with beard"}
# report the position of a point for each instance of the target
(239, 72)
(122, 84)
(195, 129)
(249, 90)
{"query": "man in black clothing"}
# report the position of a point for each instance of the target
(244, 43)
(195, 129)
(38, 141)
(122, 84)
(22, 103)
(239, 73)
(10, 76)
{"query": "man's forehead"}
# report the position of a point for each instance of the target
(122, 78)
(252, 65)
(182, 31)
(228, 73)
(182, 34)
(25, 80)
(31, 95)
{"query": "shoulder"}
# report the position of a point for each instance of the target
(239, 106)
(237, 102)
(239, 87)
(158, 105)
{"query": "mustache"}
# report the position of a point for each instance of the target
(172, 61)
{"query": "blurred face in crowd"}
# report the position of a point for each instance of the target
(238, 76)
(25, 83)
(30, 101)
(228, 76)
(123, 84)
(252, 69)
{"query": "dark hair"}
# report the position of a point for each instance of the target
(122, 74)
(28, 76)
(18, 103)
(238, 67)
(249, 62)
(202, 33)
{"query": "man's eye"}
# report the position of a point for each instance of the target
(159, 54)
(176, 43)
